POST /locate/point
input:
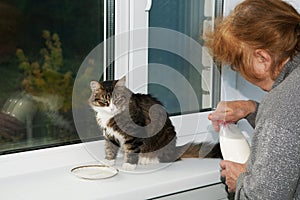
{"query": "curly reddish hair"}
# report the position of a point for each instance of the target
(271, 25)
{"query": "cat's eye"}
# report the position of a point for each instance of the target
(104, 101)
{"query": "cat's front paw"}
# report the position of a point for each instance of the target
(109, 162)
(128, 166)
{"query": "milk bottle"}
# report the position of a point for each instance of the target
(234, 146)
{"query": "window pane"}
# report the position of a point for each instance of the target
(42, 45)
(182, 81)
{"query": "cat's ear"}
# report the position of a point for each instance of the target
(121, 82)
(95, 85)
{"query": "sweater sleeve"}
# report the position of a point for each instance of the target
(252, 116)
(273, 167)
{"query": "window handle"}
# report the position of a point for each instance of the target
(148, 6)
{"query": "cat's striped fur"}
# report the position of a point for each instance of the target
(139, 125)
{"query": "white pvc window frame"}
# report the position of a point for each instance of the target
(132, 58)
(130, 15)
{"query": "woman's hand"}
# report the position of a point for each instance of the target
(231, 111)
(231, 171)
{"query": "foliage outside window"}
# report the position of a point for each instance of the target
(42, 45)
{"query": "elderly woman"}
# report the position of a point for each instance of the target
(261, 40)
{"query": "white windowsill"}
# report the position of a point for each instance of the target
(45, 174)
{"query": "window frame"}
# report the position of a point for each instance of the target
(70, 154)
(133, 15)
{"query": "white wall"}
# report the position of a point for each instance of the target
(295, 3)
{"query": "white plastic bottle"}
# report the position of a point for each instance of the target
(234, 146)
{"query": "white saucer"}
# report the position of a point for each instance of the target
(93, 172)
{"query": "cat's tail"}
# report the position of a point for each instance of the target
(199, 150)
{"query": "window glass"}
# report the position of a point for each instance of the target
(42, 45)
(180, 76)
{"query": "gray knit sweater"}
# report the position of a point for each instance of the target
(273, 168)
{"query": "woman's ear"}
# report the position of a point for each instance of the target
(264, 58)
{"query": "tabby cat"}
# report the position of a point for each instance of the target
(138, 124)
